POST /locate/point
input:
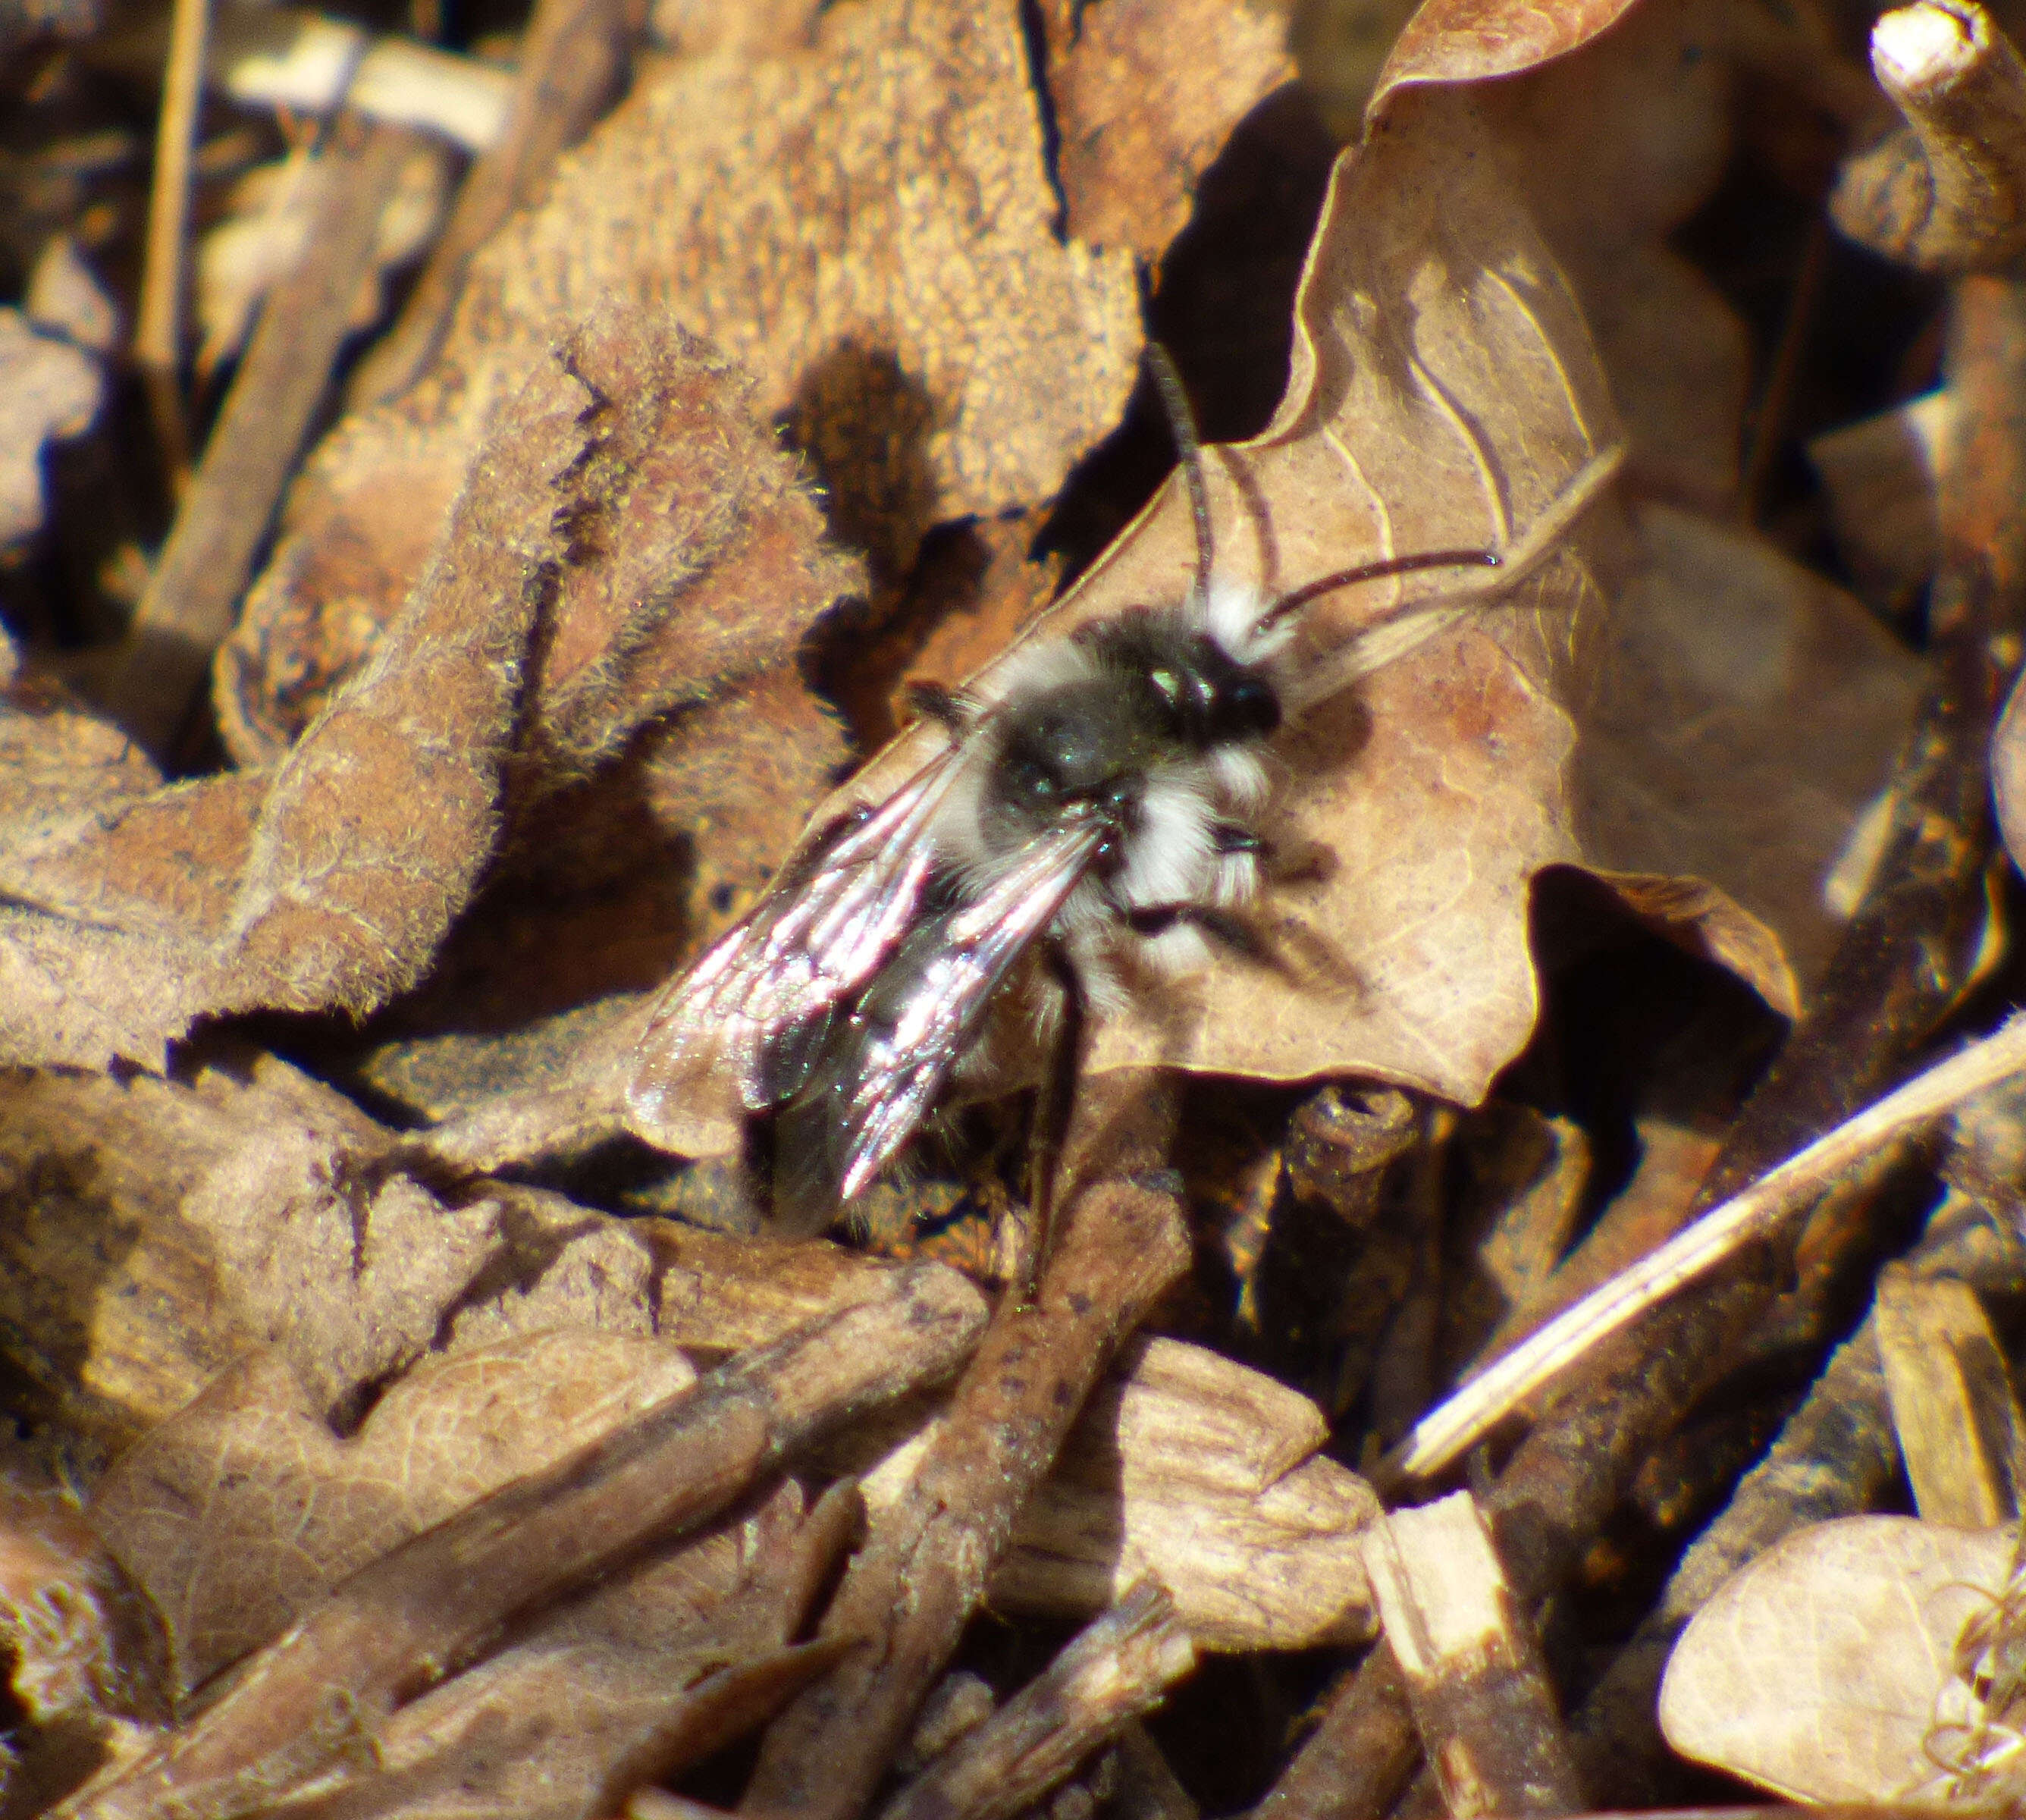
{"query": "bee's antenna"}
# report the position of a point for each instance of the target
(1378, 571)
(1182, 427)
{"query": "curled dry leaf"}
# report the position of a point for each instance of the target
(161, 1233)
(167, 1230)
(1442, 396)
(330, 878)
(1827, 1670)
(1458, 41)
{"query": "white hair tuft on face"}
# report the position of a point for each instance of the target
(1233, 616)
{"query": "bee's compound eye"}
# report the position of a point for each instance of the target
(1250, 709)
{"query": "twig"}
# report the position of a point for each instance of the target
(1947, 191)
(158, 328)
(1487, 1712)
(204, 567)
(1359, 1757)
(923, 1572)
(1467, 1416)
(573, 61)
(423, 1609)
(1115, 1669)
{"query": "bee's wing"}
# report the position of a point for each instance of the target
(903, 1065)
(814, 940)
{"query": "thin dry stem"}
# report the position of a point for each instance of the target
(1455, 1426)
(195, 589)
(158, 327)
(423, 1609)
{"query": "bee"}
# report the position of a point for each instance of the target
(1096, 797)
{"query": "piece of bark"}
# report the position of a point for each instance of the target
(1193, 1470)
(923, 1571)
(418, 1611)
(573, 59)
(1953, 1405)
(1489, 1718)
(1120, 1666)
(1946, 192)
(207, 560)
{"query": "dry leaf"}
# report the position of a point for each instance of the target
(866, 225)
(1822, 1670)
(1458, 41)
(1739, 724)
(1442, 396)
(240, 1509)
(645, 1675)
(691, 564)
(1144, 94)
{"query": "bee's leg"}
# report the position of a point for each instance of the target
(1220, 926)
(1236, 837)
(1054, 1105)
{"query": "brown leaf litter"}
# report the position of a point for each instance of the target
(418, 1506)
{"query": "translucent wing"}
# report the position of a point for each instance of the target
(813, 942)
(919, 1018)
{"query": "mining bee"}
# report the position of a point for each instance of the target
(1095, 800)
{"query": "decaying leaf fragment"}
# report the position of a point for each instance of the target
(1828, 1669)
